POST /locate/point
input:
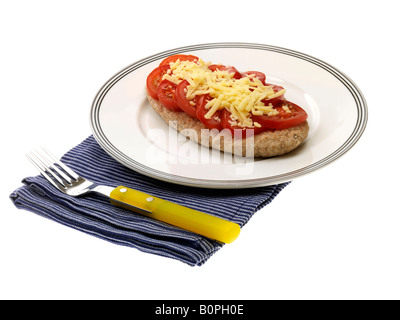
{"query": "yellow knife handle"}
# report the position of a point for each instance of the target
(175, 214)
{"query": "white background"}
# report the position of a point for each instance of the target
(333, 234)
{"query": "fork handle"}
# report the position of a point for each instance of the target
(175, 214)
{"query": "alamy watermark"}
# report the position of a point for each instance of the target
(174, 148)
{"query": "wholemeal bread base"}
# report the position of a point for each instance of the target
(265, 144)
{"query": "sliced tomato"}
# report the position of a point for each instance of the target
(189, 106)
(181, 57)
(284, 119)
(201, 111)
(166, 95)
(230, 69)
(154, 79)
(259, 75)
(277, 100)
(238, 132)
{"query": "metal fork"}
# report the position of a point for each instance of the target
(62, 177)
(68, 182)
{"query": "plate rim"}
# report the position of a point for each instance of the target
(101, 138)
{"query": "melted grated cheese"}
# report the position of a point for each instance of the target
(286, 108)
(242, 97)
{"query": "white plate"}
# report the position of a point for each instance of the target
(127, 128)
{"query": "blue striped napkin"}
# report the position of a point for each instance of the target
(93, 214)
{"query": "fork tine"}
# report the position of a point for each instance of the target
(50, 163)
(62, 165)
(53, 179)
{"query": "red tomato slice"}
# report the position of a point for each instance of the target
(230, 69)
(183, 102)
(259, 75)
(201, 111)
(166, 95)
(238, 132)
(154, 79)
(284, 119)
(277, 100)
(181, 57)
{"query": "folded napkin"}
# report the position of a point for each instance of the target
(93, 214)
